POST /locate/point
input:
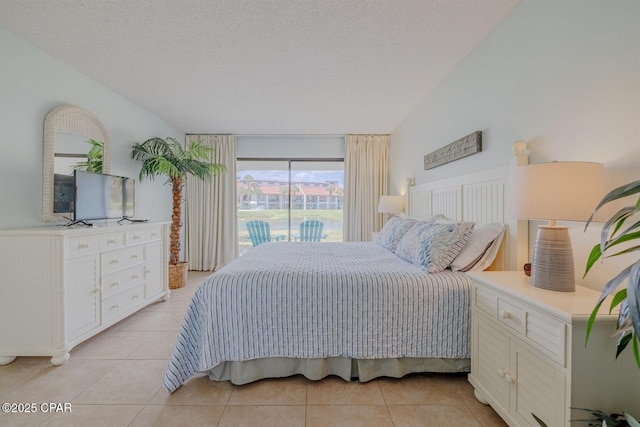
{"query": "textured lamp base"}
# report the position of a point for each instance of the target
(552, 264)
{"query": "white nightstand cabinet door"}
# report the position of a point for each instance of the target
(538, 388)
(493, 361)
(82, 297)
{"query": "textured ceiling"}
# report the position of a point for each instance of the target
(263, 66)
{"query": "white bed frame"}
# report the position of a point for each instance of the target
(480, 197)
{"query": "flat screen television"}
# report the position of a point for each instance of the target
(102, 196)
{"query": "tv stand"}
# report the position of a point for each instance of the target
(84, 281)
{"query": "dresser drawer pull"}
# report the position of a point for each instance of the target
(135, 276)
(147, 271)
(115, 307)
(135, 296)
(154, 234)
(111, 241)
(134, 256)
(505, 314)
(114, 284)
(83, 246)
(136, 237)
(114, 261)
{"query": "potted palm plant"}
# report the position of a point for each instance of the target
(168, 157)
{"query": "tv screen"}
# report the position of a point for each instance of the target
(101, 196)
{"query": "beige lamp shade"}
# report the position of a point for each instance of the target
(566, 191)
(392, 205)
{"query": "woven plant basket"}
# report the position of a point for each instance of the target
(178, 275)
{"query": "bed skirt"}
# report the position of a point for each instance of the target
(315, 369)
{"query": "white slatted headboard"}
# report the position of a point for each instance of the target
(480, 197)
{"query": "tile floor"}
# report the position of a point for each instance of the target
(114, 379)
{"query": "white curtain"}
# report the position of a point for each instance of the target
(366, 171)
(211, 238)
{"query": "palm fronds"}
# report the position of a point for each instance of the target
(620, 228)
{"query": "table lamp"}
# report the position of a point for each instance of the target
(391, 205)
(566, 191)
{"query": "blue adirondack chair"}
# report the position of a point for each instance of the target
(311, 231)
(260, 232)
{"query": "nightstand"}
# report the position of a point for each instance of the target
(528, 353)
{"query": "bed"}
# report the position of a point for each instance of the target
(355, 310)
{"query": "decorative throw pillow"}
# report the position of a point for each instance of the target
(434, 246)
(481, 239)
(393, 231)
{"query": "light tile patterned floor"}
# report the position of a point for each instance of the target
(114, 379)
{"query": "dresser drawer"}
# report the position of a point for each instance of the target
(81, 246)
(122, 280)
(121, 259)
(111, 241)
(154, 234)
(135, 237)
(116, 306)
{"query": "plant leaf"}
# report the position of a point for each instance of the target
(616, 193)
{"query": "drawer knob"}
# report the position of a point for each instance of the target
(505, 314)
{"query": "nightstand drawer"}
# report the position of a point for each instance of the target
(548, 335)
(512, 315)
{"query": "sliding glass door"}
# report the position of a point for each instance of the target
(298, 199)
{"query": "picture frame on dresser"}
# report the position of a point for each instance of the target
(64, 285)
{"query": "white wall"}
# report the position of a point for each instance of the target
(563, 76)
(32, 83)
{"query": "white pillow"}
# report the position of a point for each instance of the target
(481, 248)
(433, 246)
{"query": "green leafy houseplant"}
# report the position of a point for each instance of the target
(168, 157)
(601, 419)
(622, 227)
(94, 157)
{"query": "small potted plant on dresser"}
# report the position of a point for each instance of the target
(622, 228)
(168, 157)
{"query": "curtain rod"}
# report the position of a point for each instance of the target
(276, 135)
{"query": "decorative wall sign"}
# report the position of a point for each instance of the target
(466, 146)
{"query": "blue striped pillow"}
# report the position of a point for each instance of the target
(434, 246)
(393, 231)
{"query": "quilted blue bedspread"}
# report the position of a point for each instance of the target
(318, 300)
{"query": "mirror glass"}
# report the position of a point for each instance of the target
(74, 138)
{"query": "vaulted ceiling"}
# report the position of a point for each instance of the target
(263, 66)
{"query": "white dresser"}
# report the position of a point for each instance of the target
(60, 286)
(529, 356)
